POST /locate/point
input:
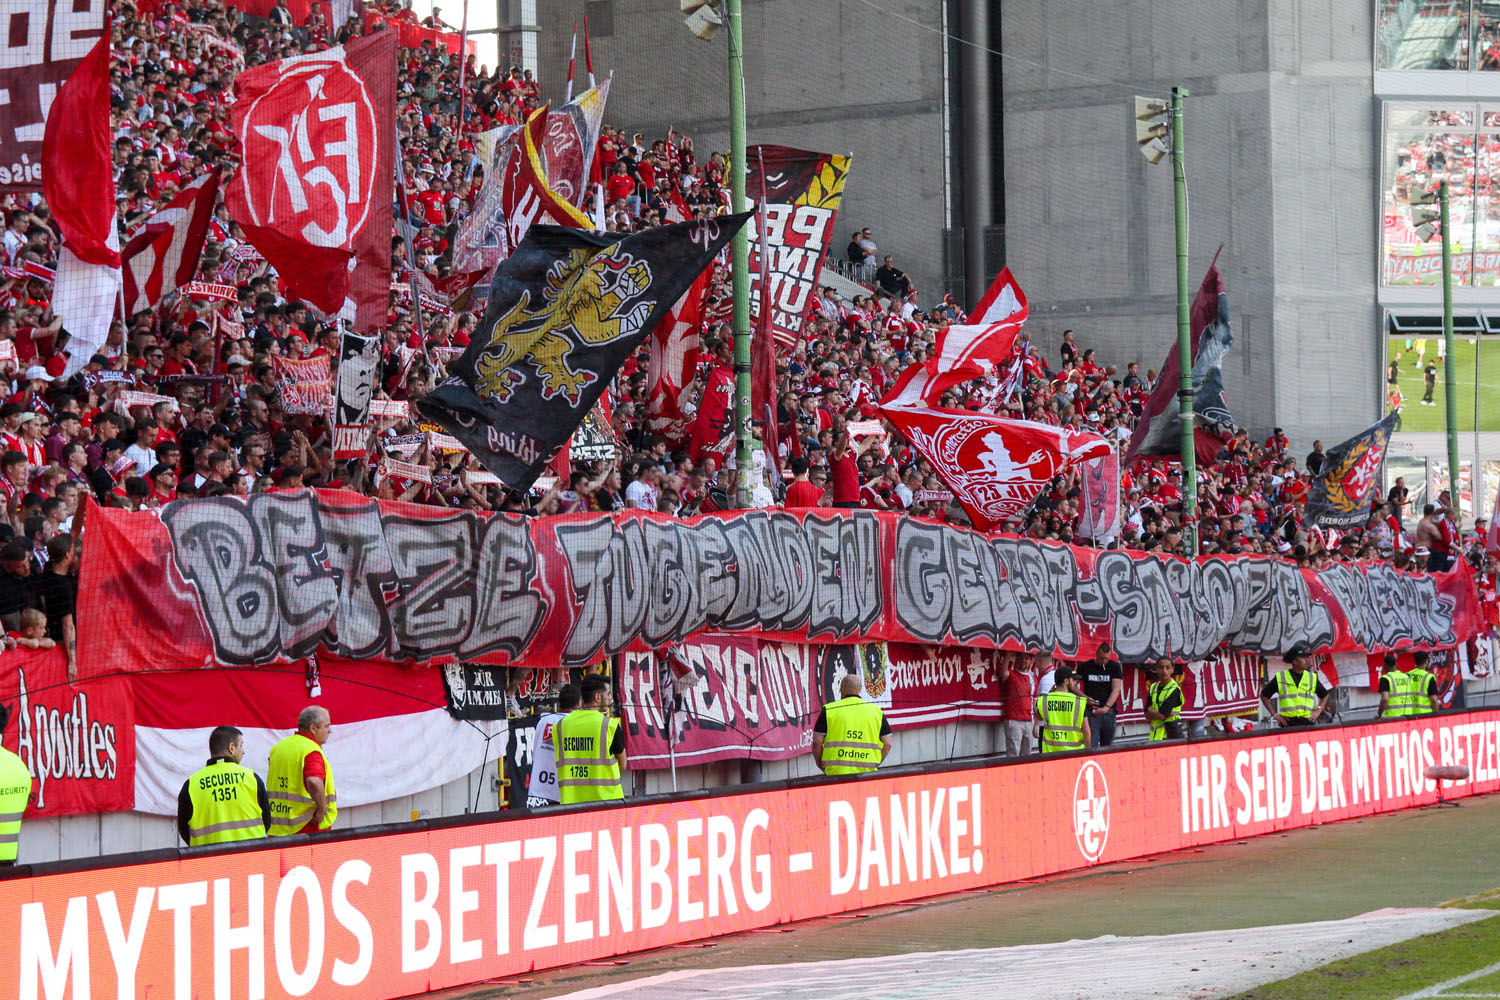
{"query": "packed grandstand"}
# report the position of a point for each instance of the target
(170, 93)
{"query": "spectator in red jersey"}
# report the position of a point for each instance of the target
(1018, 677)
(801, 492)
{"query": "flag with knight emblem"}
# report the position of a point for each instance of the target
(565, 311)
(1341, 494)
(995, 467)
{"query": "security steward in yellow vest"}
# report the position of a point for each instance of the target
(15, 792)
(851, 735)
(300, 776)
(1164, 703)
(1300, 694)
(223, 802)
(1063, 712)
(1397, 690)
(1424, 686)
(590, 747)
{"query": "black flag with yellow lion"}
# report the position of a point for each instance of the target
(565, 311)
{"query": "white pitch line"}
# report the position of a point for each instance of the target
(1440, 989)
(1197, 965)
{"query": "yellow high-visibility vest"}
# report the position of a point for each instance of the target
(291, 804)
(586, 772)
(1062, 715)
(1296, 699)
(1160, 691)
(1401, 699)
(1422, 703)
(226, 806)
(852, 744)
(15, 790)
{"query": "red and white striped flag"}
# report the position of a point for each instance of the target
(674, 362)
(572, 61)
(163, 255)
(588, 55)
(78, 180)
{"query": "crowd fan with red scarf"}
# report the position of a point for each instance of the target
(173, 71)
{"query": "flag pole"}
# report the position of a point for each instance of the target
(411, 251)
(1450, 385)
(1184, 333)
(572, 61)
(124, 326)
(463, 67)
(741, 255)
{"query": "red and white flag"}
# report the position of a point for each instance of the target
(1492, 530)
(313, 193)
(525, 195)
(78, 180)
(304, 386)
(959, 354)
(673, 363)
(163, 255)
(995, 467)
(569, 141)
(713, 427)
(1100, 485)
(1003, 301)
(392, 734)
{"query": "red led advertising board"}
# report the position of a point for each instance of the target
(400, 914)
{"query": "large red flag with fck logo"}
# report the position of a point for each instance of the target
(317, 134)
(995, 467)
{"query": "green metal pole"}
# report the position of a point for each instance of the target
(1184, 334)
(1450, 386)
(741, 255)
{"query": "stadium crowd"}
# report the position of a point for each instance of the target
(227, 434)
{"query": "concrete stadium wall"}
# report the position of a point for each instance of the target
(1281, 131)
(833, 76)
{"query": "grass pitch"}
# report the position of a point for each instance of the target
(1459, 962)
(1415, 416)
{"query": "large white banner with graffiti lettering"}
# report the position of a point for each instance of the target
(276, 576)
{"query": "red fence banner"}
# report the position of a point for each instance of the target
(1228, 684)
(1444, 664)
(402, 914)
(752, 701)
(77, 739)
(758, 700)
(392, 733)
(251, 580)
(917, 685)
